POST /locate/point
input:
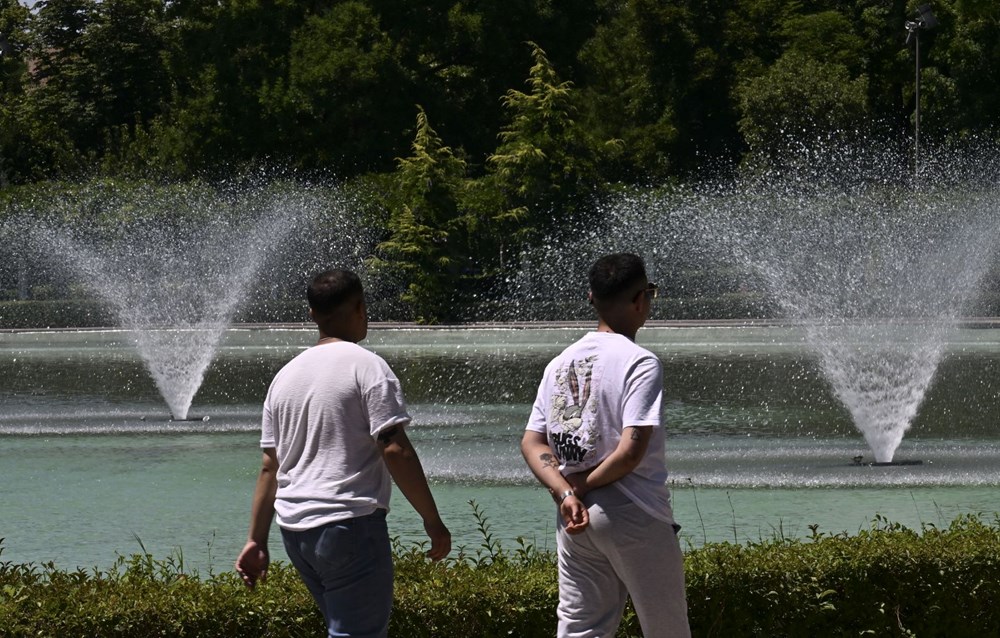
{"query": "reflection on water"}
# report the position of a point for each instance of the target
(718, 382)
(744, 406)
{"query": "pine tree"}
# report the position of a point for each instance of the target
(427, 227)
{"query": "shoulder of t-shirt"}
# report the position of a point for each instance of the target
(345, 352)
(372, 367)
(643, 353)
(567, 352)
(636, 351)
(642, 359)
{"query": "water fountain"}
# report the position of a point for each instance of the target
(175, 264)
(747, 406)
(877, 271)
(879, 286)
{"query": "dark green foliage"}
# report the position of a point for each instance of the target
(426, 248)
(546, 165)
(98, 67)
(887, 581)
(801, 98)
(340, 105)
(637, 91)
(186, 86)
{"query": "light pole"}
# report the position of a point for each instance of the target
(926, 20)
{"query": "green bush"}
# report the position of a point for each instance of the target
(61, 313)
(92, 313)
(887, 581)
(737, 305)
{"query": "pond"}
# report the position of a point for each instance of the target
(757, 444)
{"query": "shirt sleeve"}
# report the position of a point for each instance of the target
(384, 402)
(643, 393)
(538, 421)
(267, 427)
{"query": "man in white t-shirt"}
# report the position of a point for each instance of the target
(333, 433)
(594, 439)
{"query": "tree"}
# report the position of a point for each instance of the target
(800, 98)
(14, 20)
(960, 60)
(428, 229)
(99, 67)
(657, 78)
(344, 103)
(877, 24)
(13, 74)
(621, 98)
(223, 58)
(546, 165)
(462, 55)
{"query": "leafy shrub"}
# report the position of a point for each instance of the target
(62, 313)
(887, 581)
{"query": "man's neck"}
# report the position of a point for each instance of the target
(330, 334)
(604, 326)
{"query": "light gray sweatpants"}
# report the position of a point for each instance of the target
(624, 551)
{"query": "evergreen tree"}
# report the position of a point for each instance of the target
(428, 229)
(546, 165)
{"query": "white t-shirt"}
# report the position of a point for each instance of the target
(590, 392)
(322, 414)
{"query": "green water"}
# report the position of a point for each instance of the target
(82, 500)
(757, 446)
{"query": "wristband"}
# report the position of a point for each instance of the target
(563, 496)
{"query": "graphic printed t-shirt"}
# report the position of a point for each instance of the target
(322, 415)
(589, 393)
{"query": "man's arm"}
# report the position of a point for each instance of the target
(626, 457)
(253, 561)
(544, 465)
(404, 466)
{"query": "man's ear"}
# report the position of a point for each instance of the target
(590, 297)
(312, 314)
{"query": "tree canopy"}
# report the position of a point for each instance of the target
(538, 107)
(180, 87)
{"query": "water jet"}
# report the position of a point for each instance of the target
(174, 268)
(877, 272)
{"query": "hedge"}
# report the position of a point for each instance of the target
(887, 581)
(89, 313)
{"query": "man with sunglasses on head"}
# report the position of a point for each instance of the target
(595, 440)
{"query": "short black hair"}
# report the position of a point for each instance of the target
(331, 288)
(613, 275)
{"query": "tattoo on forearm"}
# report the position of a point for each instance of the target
(386, 435)
(635, 434)
(549, 460)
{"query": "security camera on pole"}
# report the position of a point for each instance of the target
(926, 20)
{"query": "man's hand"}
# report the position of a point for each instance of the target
(440, 539)
(252, 564)
(578, 482)
(404, 466)
(574, 514)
